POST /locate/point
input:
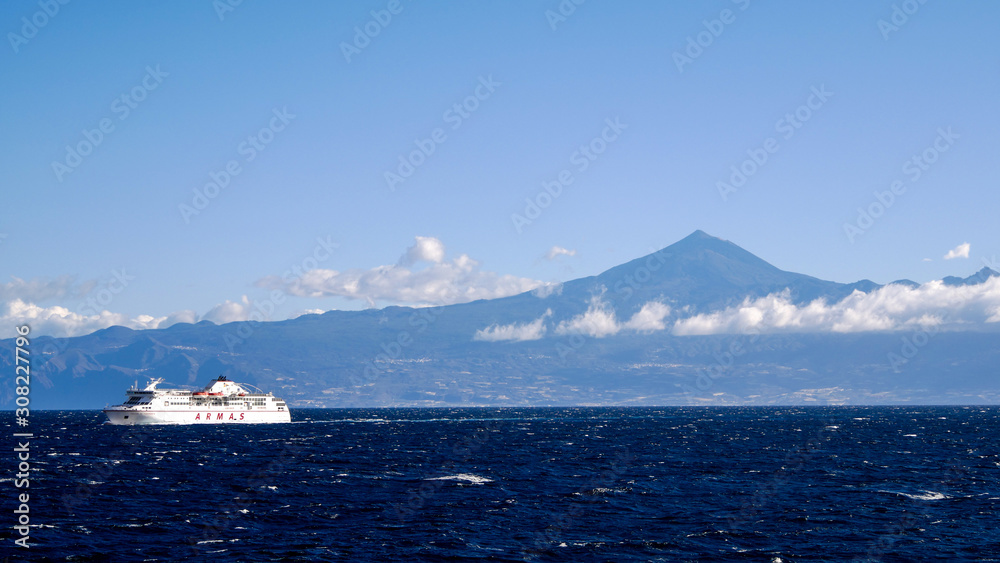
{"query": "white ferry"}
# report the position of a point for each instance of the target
(221, 402)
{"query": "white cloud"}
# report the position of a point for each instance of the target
(60, 321)
(960, 251)
(247, 309)
(426, 249)
(517, 332)
(599, 320)
(298, 314)
(229, 312)
(893, 307)
(186, 316)
(547, 289)
(440, 283)
(557, 251)
(649, 318)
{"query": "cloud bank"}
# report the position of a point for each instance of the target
(438, 282)
(421, 276)
(893, 307)
(650, 318)
(516, 332)
(890, 308)
(600, 320)
(60, 321)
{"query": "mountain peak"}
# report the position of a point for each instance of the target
(986, 273)
(706, 273)
(700, 246)
(975, 279)
(698, 234)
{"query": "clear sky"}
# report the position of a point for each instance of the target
(643, 108)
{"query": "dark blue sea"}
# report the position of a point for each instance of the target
(774, 484)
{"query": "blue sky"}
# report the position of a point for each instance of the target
(204, 86)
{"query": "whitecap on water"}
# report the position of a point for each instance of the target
(923, 495)
(468, 477)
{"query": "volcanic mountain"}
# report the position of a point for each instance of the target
(438, 356)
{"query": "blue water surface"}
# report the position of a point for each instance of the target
(769, 484)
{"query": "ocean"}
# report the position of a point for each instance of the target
(771, 484)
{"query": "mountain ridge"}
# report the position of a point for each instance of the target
(428, 356)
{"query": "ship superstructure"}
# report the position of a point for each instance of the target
(220, 402)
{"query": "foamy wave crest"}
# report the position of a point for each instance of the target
(468, 477)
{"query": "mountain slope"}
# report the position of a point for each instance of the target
(700, 272)
(406, 356)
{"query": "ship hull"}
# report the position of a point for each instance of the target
(207, 416)
(220, 402)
